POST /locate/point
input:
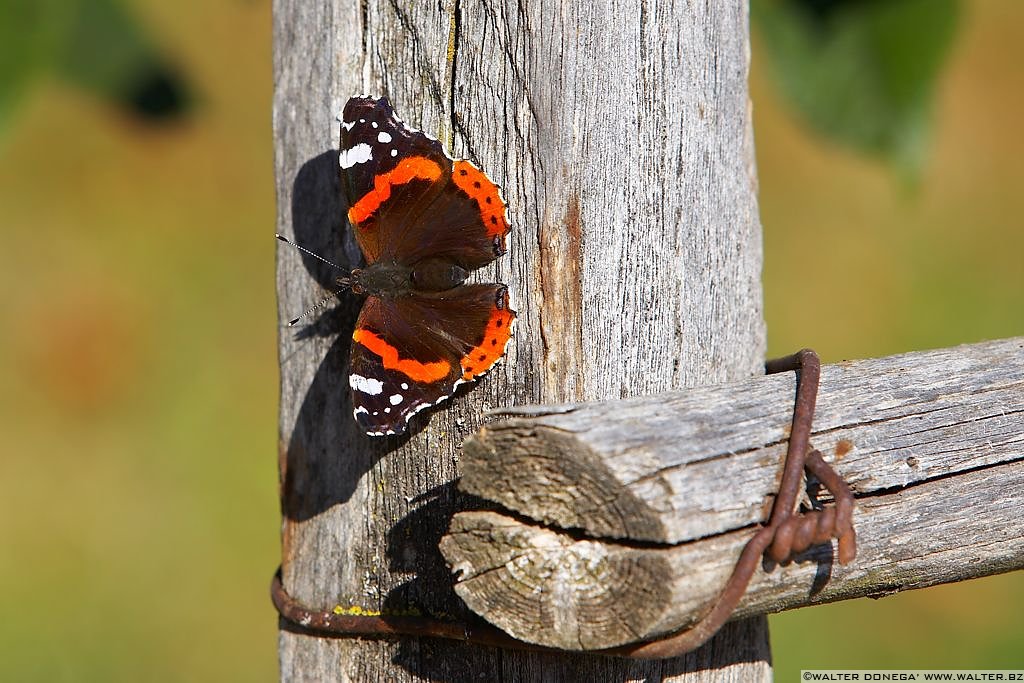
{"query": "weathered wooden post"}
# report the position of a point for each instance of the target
(619, 501)
(621, 135)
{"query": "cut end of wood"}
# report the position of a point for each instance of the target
(553, 477)
(547, 588)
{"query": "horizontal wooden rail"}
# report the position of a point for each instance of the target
(628, 515)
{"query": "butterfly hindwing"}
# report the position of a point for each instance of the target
(402, 361)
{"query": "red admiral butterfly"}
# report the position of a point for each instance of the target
(424, 221)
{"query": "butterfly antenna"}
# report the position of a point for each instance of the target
(342, 282)
(311, 253)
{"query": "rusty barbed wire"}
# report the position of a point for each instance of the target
(788, 533)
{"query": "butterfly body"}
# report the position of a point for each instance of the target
(393, 280)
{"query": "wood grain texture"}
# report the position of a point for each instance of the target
(932, 444)
(620, 133)
(651, 468)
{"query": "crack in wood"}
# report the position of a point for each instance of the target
(425, 68)
(889, 490)
(451, 56)
(364, 24)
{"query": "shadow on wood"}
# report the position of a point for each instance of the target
(320, 467)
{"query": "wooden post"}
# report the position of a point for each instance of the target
(621, 135)
(668, 488)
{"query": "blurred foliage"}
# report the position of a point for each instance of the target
(108, 53)
(31, 34)
(98, 45)
(862, 72)
(139, 520)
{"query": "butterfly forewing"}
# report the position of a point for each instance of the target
(466, 222)
(392, 174)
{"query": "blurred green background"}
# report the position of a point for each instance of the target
(138, 347)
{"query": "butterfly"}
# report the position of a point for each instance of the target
(424, 221)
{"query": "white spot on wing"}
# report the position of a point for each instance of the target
(404, 386)
(359, 154)
(347, 125)
(383, 137)
(395, 399)
(394, 152)
(367, 385)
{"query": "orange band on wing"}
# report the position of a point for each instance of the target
(473, 182)
(499, 329)
(407, 170)
(413, 369)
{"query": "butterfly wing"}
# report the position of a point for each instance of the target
(408, 200)
(412, 352)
